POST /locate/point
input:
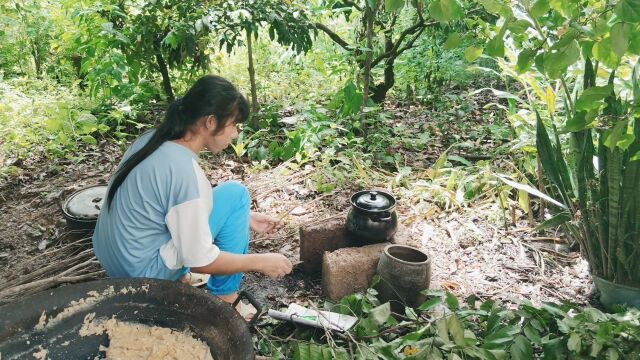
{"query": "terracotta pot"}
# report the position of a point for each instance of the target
(404, 272)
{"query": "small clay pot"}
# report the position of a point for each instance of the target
(404, 272)
(372, 218)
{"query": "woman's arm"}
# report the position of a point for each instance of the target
(272, 265)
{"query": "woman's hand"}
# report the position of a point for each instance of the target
(274, 265)
(264, 224)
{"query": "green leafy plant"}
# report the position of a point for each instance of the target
(585, 118)
(235, 21)
(122, 45)
(41, 117)
(445, 327)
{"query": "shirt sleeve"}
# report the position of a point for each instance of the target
(191, 244)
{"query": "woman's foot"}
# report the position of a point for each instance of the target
(195, 279)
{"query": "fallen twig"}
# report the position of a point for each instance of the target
(9, 294)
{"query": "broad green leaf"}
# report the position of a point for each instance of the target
(581, 120)
(495, 46)
(502, 335)
(89, 140)
(305, 351)
(452, 302)
(626, 140)
(634, 42)
(554, 310)
(497, 7)
(575, 343)
(603, 52)
(452, 41)
(532, 333)
(620, 38)
(568, 8)
(495, 354)
(460, 159)
(554, 350)
(429, 304)
(393, 5)
(540, 8)
(592, 97)
(456, 330)
(594, 314)
(472, 53)
(557, 61)
(616, 136)
(525, 59)
(555, 221)
(381, 313)
(410, 313)
(352, 99)
(54, 124)
(596, 347)
(445, 10)
(628, 10)
(519, 26)
(492, 6)
(521, 349)
(441, 330)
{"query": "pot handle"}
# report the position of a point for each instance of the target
(385, 216)
(261, 308)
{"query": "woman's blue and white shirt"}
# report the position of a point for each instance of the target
(158, 221)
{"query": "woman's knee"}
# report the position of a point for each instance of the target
(234, 191)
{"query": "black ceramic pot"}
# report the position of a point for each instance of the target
(372, 218)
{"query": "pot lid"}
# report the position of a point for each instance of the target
(86, 203)
(374, 200)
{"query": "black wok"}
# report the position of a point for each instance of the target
(165, 304)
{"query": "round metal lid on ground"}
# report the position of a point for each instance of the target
(86, 203)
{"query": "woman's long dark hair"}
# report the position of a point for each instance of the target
(210, 95)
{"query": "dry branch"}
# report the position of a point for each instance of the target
(10, 294)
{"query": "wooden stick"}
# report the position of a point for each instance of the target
(48, 269)
(42, 284)
(542, 238)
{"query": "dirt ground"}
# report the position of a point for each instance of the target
(472, 251)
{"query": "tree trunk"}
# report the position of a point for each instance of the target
(379, 91)
(36, 59)
(369, 15)
(252, 78)
(166, 80)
